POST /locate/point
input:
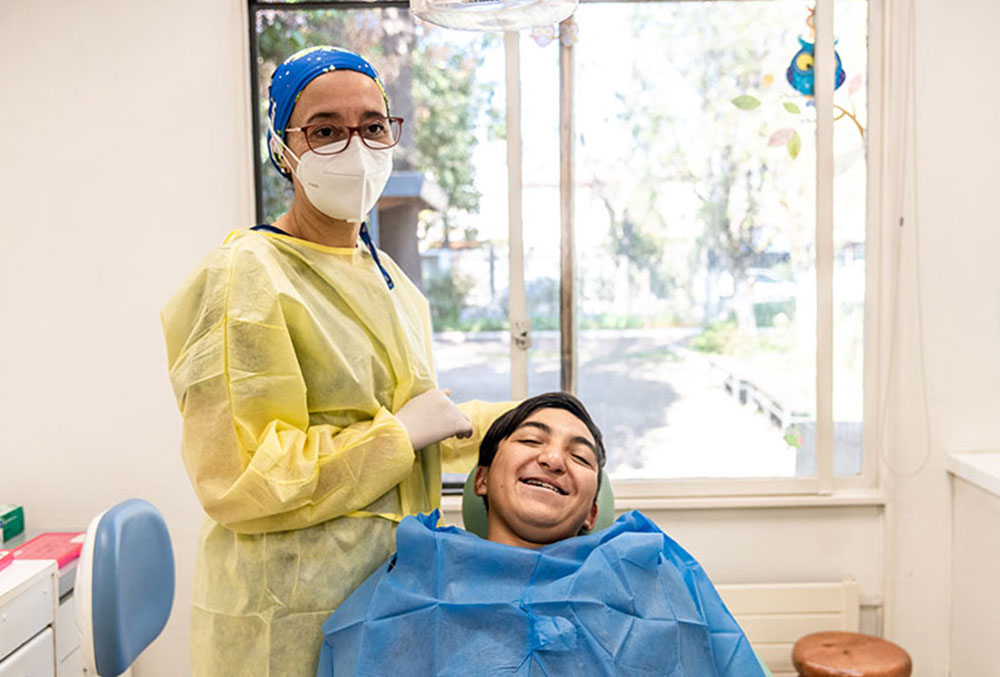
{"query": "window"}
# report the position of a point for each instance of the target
(696, 288)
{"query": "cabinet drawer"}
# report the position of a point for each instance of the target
(67, 637)
(34, 659)
(73, 665)
(25, 613)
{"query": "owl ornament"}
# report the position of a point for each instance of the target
(800, 71)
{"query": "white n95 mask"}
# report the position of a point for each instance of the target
(346, 185)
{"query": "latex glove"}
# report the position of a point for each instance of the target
(431, 417)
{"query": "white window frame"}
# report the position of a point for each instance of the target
(824, 488)
(652, 493)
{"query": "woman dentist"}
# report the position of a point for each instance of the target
(301, 362)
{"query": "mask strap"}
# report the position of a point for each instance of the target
(284, 148)
(367, 239)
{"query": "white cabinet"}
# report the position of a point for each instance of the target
(33, 659)
(28, 601)
(69, 658)
(72, 665)
(36, 618)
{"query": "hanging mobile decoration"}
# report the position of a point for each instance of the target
(543, 35)
(568, 34)
(800, 71)
(492, 15)
(800, 76)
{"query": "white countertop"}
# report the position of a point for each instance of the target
(21, 571)
(981, 468)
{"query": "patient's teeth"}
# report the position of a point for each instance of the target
(539, 483)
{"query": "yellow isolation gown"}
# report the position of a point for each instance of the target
(288, 360)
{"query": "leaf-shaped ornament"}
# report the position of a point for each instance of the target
(781, 137)
(746, 102)
(794, 145)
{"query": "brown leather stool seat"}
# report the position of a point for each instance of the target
(849, 654)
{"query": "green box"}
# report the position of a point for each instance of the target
(11, 521)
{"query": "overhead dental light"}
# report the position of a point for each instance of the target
(492, 15)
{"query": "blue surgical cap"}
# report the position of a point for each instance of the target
(297, 71)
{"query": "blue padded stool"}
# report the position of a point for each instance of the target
(474, 510)
(124, 585)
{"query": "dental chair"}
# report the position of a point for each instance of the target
(124, 586)
(476, 521)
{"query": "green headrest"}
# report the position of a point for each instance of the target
(476, 521)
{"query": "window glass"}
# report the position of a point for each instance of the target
(540, 206)
(696, 185)
(849, 214)
(695, 169)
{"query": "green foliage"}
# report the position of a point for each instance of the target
(448, 294)
(662, 354)
(733, 181)
(444, 131)
(766, 312)
(448, 101)
(611, 321)
(637, 230)
(541, 297)
(716, 337)
(476, 324)
(725, 338)
(633, 242)
(545, 322)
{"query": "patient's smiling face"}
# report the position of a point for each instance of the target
(542, 483)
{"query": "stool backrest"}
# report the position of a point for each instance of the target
(125, 585)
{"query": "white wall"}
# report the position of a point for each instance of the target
(956, 151)
(125, 158)
(787, 545)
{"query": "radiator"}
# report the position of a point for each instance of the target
(774, 615)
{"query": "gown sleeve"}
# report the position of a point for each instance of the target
(461, 455)
(256, 463)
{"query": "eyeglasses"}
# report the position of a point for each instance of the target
(329, 139)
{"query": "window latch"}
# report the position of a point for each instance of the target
(520, 334)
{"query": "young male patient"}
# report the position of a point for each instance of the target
(539, 472)
(536, 598)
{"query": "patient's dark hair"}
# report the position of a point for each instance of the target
(505, 426)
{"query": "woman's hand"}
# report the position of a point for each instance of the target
(431, 417)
